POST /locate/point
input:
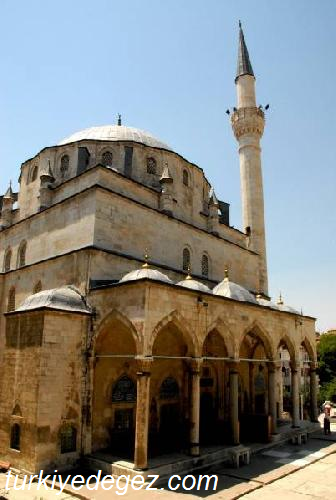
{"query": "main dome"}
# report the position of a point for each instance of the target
(116, 133)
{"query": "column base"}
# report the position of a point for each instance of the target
(194, 450)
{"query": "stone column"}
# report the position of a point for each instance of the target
(195, 369)
(234, 415)
(295, 372)
(142, 413)
(313, 393)
(251, 387)
(272, 375)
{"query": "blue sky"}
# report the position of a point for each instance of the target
(169, 68)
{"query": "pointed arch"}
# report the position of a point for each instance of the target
(224, 331)
(7, 259)
(257, 330)
(21, 255)
(287, 342)
(176, 319)
(116, 316)
(309, 348)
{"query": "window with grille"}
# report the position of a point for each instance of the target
(186, 260)
(15, 437)
(205, 266)
(65, 161)
(107, 159)
(22, 254)
(124, 390)
(151, 166)
(11, 300)
(169, 389)
(7, 260)
(68, 439)
(185, 177)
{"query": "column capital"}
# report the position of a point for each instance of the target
(294, 366)
(144, 365)
(313, 366)
(273, 366)
(233, 365)
(195, 365)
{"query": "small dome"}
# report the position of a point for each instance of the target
(192, 284)
(115, 133)
(145, 272)
(66, 298)
(283, 307)
(267, 303)
(227, 288)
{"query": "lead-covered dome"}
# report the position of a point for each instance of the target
(145, 272)
(192, 284)
(231, 290)
(115, 133)
(66, 298)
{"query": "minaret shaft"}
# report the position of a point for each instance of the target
(248, 126)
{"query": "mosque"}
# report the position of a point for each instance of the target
(135, 320)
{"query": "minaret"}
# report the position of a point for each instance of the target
(248, 125)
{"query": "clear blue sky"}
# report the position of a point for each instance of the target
(169, 68)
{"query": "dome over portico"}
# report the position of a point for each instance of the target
(116, 133)
(231, 290)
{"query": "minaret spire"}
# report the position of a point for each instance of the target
(248, 125)
(244, 66)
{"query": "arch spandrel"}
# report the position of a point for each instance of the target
(175, 319)
(257, 330)
(116, 319)
(220, 326)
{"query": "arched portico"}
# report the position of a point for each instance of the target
(214, 411)
(114, 397)
(257, 393)
(170, 413)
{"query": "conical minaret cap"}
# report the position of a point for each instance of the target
(244, 66)
(9, 193)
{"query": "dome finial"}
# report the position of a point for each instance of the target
(280, 300)
(226, 274)
(119, 119)
(188, 277)
(146, 257)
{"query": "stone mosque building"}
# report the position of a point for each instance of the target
(135, 320)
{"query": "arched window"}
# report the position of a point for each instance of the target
(205, 266)
(11, 299)
(68, 436)
(7, 260)
(22, 254)
(15, 437)
(107, 159)
(34, 172)
(124, 390)
(37, 287)
(185, 177)
(151, 166)
(169, 389)
(17, 410)
(186, 260)
(65, 160)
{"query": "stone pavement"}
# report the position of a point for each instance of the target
(283, 472)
